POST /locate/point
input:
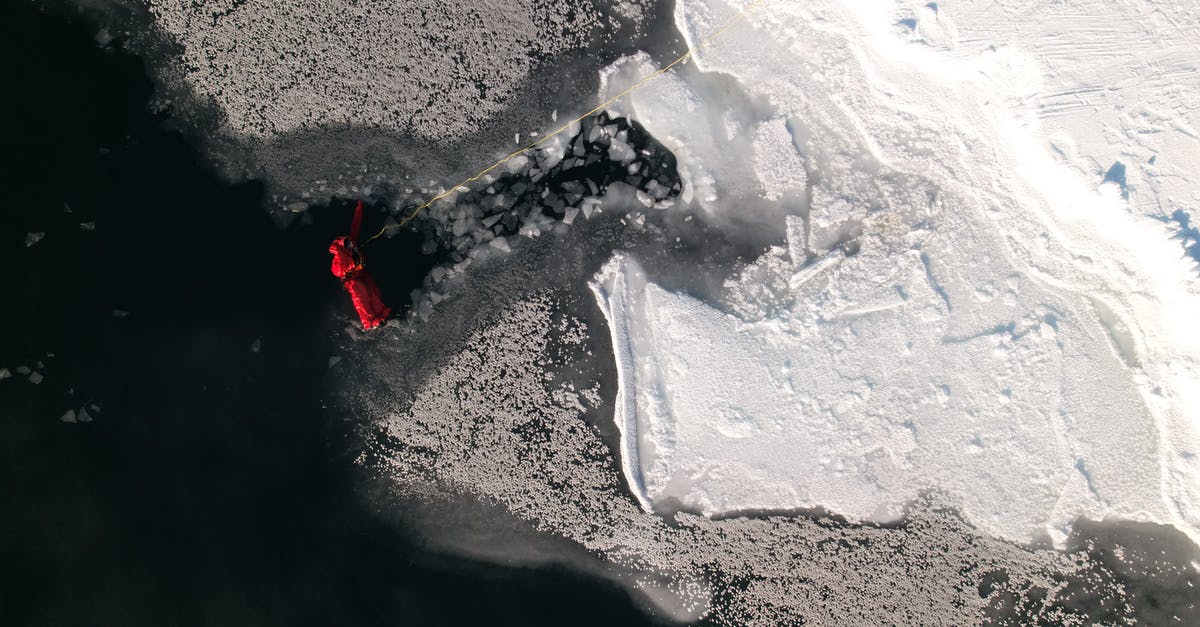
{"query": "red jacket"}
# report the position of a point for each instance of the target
(348, 266)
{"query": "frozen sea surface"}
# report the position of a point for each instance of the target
(954, 307)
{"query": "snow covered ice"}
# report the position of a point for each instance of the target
(958, 305)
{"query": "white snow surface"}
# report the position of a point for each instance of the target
(961, 303)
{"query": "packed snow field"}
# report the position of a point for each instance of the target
(961, 310)
(976, 318)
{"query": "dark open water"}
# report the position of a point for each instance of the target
(211, 488)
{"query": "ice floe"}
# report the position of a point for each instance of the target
(955, 308)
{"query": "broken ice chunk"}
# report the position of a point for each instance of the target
(119, 313)
(4, 374)
(68, 417)
(33, 238)
(333, 361)
(36, 378)
(620, 151)
(500, 244)
(797, 242)
(256, 345)
(87, 226)
(23, 371)
(570, 214)
(84, 415)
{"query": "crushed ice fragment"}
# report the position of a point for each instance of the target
(517, 163)
(33, 238)
(23, 370)
(620, 151)
(68, 417)
(333, 361)
(500, 244)
(84, 415)
(4, 374)
(87, 226)
(256, 345)
(36, 378)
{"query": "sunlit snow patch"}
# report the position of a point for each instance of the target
(959, 312)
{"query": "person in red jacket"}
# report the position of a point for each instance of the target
(349, 267)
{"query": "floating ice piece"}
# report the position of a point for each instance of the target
(33, 238)
(4, 374)
(84, 414)
(256, 345)
(68, 417)
(333, 361)
(87, 226)
(861, 396)
(500, 244)
(620, 151)
(24, 370)
(36, 378)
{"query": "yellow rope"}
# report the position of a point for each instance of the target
(642, 81)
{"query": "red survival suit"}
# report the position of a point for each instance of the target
(348, 266)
